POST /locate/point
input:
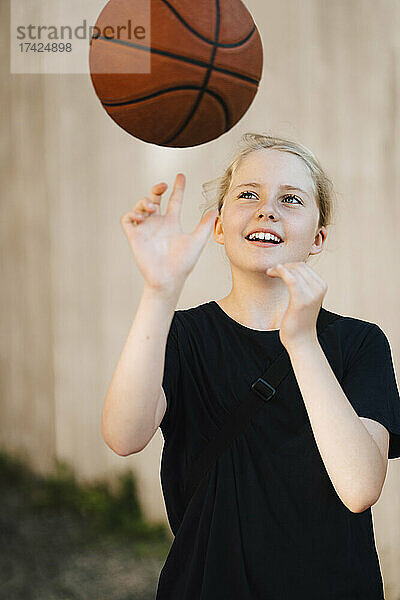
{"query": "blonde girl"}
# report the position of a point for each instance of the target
(285, 511)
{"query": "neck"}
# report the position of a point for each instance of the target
(261, 308)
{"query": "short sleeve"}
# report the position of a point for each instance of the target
(171, 375)
(369, 383)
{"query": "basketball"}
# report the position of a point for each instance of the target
(206, 62)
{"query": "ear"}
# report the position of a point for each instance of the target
(319, 240)
(219, 230)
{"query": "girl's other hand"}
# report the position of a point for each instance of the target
(307, 291)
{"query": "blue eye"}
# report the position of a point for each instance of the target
(284, 197)
(292, 196)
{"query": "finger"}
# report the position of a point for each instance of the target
(144, 206)
(315, 275)
(306, 288)
(276, 270)
(175, 201)
(156, 194)
(305, 282)
(132, 217)
(281, 270)
(293, 280)
(292, 267)
(310, 276)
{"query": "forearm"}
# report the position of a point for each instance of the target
(128, 414)
(351, 456)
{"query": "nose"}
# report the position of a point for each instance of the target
(268, 212)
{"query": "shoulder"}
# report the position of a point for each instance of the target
(193, 321)
(351, 335)
(193, 314)
(357, 339)
(354, 328)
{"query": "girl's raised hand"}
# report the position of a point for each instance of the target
(307, 291)
(165, 254)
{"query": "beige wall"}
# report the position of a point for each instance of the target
(70, 286)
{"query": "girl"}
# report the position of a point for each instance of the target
(285, 511)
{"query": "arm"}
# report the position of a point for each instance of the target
(356, 463)
(135, 401)
(132, 399)
(352, 458)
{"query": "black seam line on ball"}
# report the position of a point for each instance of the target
(202, 37)
(205, 82)
(192, 61)
(173, 89)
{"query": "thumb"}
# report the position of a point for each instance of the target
(204, 228)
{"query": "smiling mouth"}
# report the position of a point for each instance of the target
(264, 244)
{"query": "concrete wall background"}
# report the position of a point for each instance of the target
(70, 286)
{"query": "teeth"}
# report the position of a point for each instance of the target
(263, 236)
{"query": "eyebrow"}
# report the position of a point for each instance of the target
(285, 186)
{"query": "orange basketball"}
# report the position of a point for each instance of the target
(206, 64)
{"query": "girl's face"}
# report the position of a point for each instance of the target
(291, 213)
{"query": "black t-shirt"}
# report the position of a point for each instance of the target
(265, 523)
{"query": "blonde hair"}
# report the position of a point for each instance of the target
(323, 187)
